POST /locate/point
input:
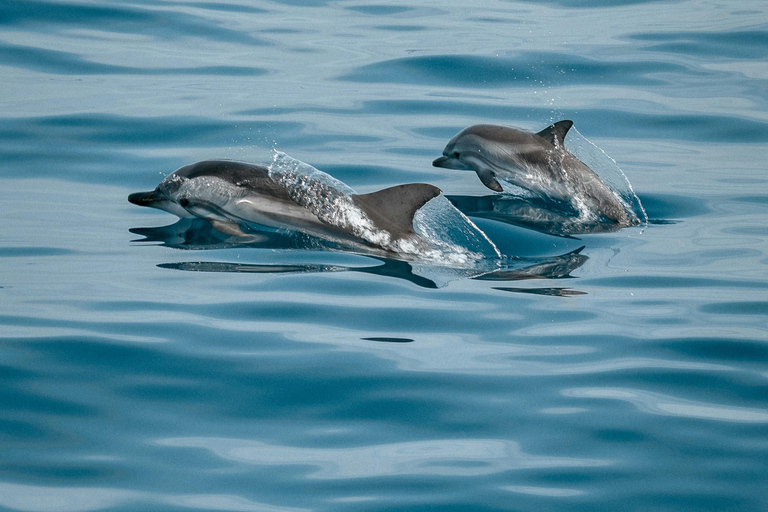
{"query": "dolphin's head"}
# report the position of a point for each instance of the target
(491, 151)
(486, 145)
(164, 197)
(459, 151)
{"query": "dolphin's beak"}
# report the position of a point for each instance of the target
(448, 162)
(143, 198)
(441, 162)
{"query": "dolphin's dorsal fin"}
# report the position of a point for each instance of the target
(555, 133)
(392, 209)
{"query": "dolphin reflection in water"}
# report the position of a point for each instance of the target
(531, 213)
(197, 235)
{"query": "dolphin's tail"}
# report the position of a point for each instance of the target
(393, 208)
(143, 198)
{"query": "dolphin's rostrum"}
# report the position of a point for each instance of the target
(537, 162)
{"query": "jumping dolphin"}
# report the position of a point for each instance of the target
(537, 162)
(232, 194)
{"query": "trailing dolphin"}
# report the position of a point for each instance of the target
(231, 195)
(537, 162)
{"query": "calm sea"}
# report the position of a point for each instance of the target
(149, 365)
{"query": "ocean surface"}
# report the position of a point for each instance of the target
(150, 364)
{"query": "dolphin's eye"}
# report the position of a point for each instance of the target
(184, 202)
(456, 154)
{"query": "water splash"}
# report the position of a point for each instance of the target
(443, 224)
(443, 234)
(609, 172)
(329, 199)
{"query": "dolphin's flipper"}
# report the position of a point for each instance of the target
(392, 209)
(555, 133)
(488, 179)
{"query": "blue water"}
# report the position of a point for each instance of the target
(149, 365)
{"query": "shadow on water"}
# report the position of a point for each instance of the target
(197, 234)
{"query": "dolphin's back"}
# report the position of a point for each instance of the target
(500, 137)
(252, 177)
(495, 133)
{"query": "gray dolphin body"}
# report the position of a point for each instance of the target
(230, 194)
(537, 162)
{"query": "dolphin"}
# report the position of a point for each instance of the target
(537, 162)
(230, 195)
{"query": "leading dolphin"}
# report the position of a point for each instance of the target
(537, 162)
(231, 194)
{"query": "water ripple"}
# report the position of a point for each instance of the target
(651, 121)
(665, 405)
(551, 492)
(746, 44)
(521, 70)
(168, 23)
(65, 63)
(34, 498)
(438, 457)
